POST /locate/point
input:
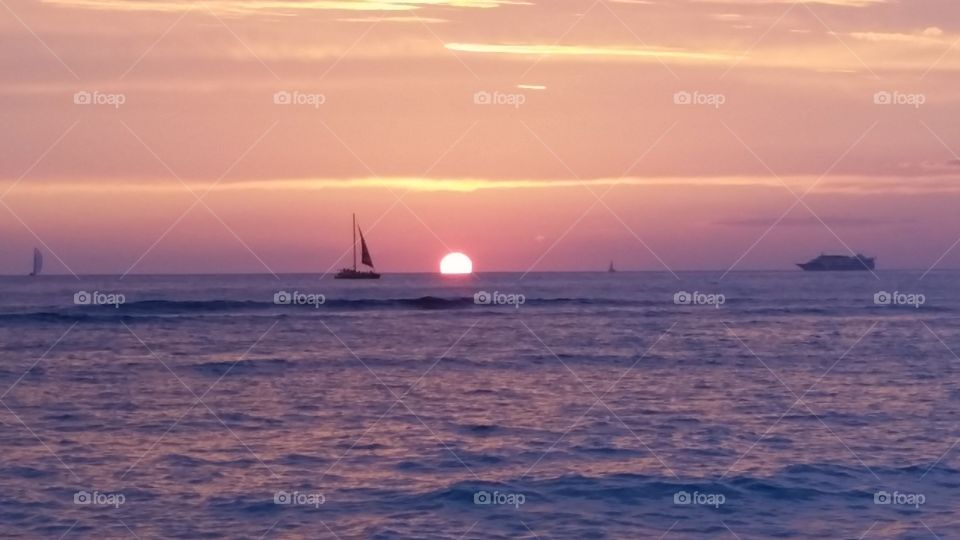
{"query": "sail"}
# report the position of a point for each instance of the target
(364, 252)
(37, 262)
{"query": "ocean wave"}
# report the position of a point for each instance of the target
(71, 316)
(176, 306)
(422, 302)
(800, 482)
(167, 309)
(172, 308)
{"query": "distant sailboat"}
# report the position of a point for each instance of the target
(611, 269)
(353, 273)
(37, 262)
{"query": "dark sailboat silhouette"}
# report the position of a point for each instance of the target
(37, 262)
(353, 273)
(611, 269)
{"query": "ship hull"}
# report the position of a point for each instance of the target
(348, 273)
(851, 267)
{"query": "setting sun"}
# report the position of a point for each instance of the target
(456, 263)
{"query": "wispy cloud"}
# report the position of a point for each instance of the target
(841, 3)
(932, 36)
(257, 6)
(817, 222)
(394, 18)
(842, 184)
(610, 52)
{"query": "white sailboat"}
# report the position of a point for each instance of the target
(37, 262)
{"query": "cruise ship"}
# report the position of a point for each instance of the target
(827, 263)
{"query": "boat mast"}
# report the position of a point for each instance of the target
(354, 242)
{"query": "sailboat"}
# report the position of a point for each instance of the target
(37, 262)
(611, 269)
(353, 273)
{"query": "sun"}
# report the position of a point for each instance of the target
(456, 263)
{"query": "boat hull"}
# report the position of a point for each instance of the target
(349, 273)
(856, 266)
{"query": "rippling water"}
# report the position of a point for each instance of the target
(598, 408)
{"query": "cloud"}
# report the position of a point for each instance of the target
(833, 221)
(839, 3)
(932, 36)
(458, 185)
(396, 18)
(608, 52)
(246, 7)
(842, 185)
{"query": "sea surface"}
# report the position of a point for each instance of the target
(572, 405)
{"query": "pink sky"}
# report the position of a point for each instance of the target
(848, 105)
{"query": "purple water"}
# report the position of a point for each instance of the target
(792, 406)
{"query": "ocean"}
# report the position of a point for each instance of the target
(547, 405)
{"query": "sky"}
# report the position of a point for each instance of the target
(154, 136)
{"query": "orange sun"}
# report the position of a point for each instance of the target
(456, 263)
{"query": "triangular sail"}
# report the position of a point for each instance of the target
(364, 252)
(37, 262)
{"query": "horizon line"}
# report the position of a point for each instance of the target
(411, 273)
